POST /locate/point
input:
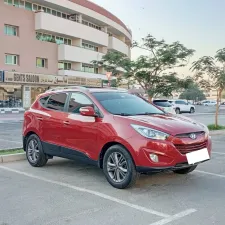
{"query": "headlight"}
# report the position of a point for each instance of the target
(150, 133)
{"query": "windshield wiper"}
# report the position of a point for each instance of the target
(147, 113)
(123, 114)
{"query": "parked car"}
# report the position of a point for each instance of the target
(164, 105)
(182, 106)
(114, 130)
(209, 103)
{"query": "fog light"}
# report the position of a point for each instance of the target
(154, 157)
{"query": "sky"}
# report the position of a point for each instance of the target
(198, 24)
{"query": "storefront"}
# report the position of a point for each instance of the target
(23, 88)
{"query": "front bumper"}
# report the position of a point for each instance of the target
(141, 169)
(170, 158)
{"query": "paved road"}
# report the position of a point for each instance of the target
(72, 193)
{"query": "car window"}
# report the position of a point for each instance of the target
(78, 100)
(57, 102)
(44, 100)
(180, 102)
(162, 103)
(121, 103)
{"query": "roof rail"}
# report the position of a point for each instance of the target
(65, 87)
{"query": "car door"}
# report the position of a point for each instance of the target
(52, 126)
(79, 132)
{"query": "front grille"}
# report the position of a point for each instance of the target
(183, 149)
(187, 135)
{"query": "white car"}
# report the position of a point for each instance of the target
(182, 106)
(164, 105)
(209, 103)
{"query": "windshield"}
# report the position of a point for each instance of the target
(125, 104)
(162, 103)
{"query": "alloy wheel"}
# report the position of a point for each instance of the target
(33, 151)
(117, 167)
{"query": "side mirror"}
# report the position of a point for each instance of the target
(87, 111)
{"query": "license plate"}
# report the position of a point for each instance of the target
(197, 156)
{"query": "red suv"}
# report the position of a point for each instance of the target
(117, 131)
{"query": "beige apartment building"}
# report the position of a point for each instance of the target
(45, 43)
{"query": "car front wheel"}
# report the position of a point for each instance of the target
(185, 170)
(119, 168)
(34, 151)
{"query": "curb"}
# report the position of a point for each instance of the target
(12, 157)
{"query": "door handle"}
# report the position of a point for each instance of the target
(66, 122)
(39, 118)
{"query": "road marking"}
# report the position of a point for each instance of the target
(219, 153)
(212, 174)
(18, 142)
(101, 195)
(174, 217)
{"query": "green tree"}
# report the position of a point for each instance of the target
(154, 72)
(193, 92)
(210, 74)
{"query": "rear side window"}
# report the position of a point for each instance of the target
(181, 102)
(57, 102)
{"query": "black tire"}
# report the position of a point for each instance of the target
(131, 175)
(185, 170)
(42, 158)
(177, 110)
(192, 110)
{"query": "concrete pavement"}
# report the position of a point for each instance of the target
(70, 192)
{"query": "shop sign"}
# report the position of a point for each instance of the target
(81, 81)
(30, 78)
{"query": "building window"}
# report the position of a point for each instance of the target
(9, 2)
(64, 66)
(11, 30)
(35, 7)
(52, 38)
(41, 63)
(91, 47)
(89, 68)
(21, 4)
(16, 3)
(11, 59)
(28, 6)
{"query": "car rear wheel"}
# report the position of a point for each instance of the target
(185, 170)
(177, 111)
(119, 168)
(34, 151)
(192, 110)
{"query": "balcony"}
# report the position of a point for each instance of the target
(77, 54)
(82, 74)
(48, 23)
(118, 45)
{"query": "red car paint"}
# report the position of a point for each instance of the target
(89, 135)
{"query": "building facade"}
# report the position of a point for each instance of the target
(53, 42)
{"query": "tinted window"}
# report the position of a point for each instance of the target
(44, 100)
(57, 101)
(181, 102)
(162, 103)
(78, 100)
(120, 103)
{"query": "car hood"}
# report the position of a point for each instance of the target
(171, 124)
